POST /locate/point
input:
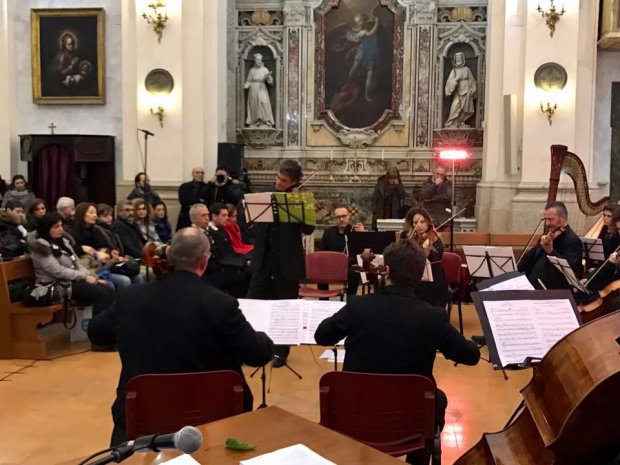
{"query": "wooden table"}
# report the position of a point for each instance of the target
(270, 429)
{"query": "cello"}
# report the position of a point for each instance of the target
(571, 405)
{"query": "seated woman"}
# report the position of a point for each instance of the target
(36, 211)
(160, 220)
(142, 219)
(93, 245)
(54, 260)
(419, 228)
(610, 235)
(142, 190)
(235, 232)
(18, 190)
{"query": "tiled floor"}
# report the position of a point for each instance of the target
(55, 411)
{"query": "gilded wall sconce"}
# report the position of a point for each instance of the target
(156, 18)
(550, 15)
(550, 79)
(159, 83)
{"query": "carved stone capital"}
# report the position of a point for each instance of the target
(295, 14)
(260, 138)
(424, 11)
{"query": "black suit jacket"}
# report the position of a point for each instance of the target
(333, 240)
(130, 236)
(394, 332)
(190, 193)
(536, 266)
(176, 325)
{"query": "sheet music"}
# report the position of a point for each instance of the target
(428, 272)
(520, 283)
(501, 259)
(329, 355)
(593, 248)
(258, 208)
(288, 322)
(291, 455)
(563, 267)
(528, 328)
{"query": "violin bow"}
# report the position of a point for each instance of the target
(451, 218)
(306, 180)
(601, 267)
(530, 240)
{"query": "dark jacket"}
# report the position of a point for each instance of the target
(12, 241)
(148, 195)
(379, 199)
(90, 236)
(536, 266)
(163, 229)
(334, 241)
(130, 237)
(436, 198)
(176, 325)
(228, 193)
(393, 331)
(189, 194)
(112, 238)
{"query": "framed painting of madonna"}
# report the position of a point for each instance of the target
(359, 63)
(68, 56)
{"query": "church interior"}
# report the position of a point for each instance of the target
(353, 91)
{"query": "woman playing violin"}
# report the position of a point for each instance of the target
(419, 228)
(610, 235)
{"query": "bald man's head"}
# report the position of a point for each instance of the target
(198, 174)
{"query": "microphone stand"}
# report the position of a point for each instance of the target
(117, 455)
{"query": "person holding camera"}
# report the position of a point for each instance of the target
(223, 189)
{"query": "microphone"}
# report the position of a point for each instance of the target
(188, 439)
(146, 132)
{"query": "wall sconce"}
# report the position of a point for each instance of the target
(157, 19)
(159, 83)
(550, 15)
(549, 78)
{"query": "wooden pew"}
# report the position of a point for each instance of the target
(21, 335)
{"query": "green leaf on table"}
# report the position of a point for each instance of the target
(235, 444)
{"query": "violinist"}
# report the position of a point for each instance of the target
(559, 241)
(610, 235)
(278, 261)
(419, 228)
(336, 239)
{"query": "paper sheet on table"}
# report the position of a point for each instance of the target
(292, 455)
(329, 355)
(184, 459)
(520, 283)
(528, 328)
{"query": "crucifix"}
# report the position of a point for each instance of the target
(52, 127)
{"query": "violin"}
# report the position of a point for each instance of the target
(551, 234)
(376, 273)
(154, 256)
(571, 405)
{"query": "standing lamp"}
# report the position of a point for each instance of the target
(453, 154)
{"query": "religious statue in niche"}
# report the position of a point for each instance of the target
(258, 111)
(462, 86)
(358, 62)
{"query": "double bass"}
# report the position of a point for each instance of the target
(571, 405)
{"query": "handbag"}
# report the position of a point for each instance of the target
(129, 268)
(40, 295)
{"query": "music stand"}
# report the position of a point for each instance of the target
(377, 241)
(487, 262)
(280, 207)
(563, 267)
(593, 250)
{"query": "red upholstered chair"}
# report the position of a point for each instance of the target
(164, 403)
(451, 264)
(392, 413)
(325, 268)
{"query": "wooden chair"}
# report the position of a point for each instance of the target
(326, 268)
(20, 335)
(392, 413)
(164, 403)
(451, 264)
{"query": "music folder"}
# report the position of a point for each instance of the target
(524, 324)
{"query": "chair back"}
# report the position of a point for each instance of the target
(164, 403)
(327, 267)
(451, 264)
(392, 413)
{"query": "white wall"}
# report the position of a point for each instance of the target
(607, 71)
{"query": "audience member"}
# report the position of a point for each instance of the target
(336, 239)
(160, 220)
(178, 325)
(393, 332)
(278, 260)
(36, 211)
(12, 231)
(223, 189)
(142, 219)
(18, 191)
(130, 235)
(239, 238)
(191, 193)
(3, 187)
(54, 260)
(199, 216)
(143, 190)
(388, 197)
(66, 207)
(436, 195)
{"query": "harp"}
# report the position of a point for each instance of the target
(563, 161)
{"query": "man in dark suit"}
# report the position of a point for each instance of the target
(278, 261)
(560, 242)
(394, 332)
(130, 235)
(178, 325)
(191, 193)
(336, 239)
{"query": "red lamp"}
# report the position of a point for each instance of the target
(453, 154)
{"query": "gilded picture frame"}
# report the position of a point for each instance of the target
(68, 56)
(609, 30)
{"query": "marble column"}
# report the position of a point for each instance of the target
(295, 22)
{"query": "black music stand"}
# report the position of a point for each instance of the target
(375, 240)
(488, 262)
(563, 267)
(480, 297)
(593, 251)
